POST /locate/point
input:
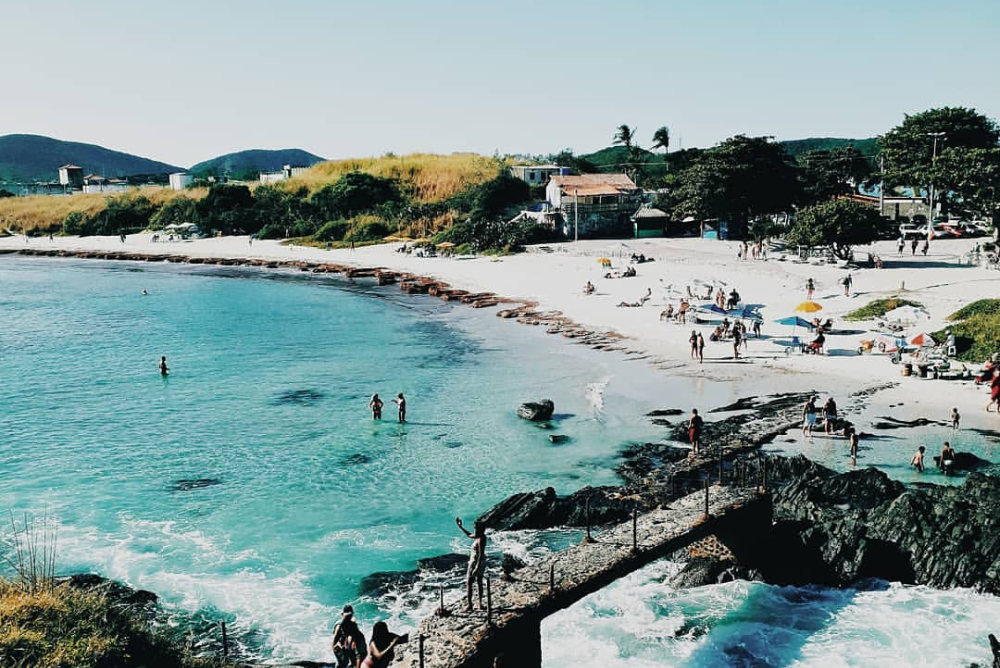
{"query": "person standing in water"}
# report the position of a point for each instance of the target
(164, 369)
(955, 418)
(401, 402)
(477, 560)
(376, 405)
(829, 416)
(918, 459)
(809, 417)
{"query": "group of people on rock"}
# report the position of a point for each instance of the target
(828, 412)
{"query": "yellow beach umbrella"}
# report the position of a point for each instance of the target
(602, 260)
(446, 244)
(808, 307)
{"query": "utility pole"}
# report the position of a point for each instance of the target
(881, 185)
(576, 214)
(930, 217)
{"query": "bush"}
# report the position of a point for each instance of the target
(227, 208)
(74, 223)
(977, 308)
(334, 230)
(174, 212)
(367, 230)
(976, 330)
(879, 308)
(494, 235)
(354, 193)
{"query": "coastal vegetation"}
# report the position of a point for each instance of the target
(837, 223)
(977, 330)
(879, 308)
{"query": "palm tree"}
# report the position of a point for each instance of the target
(624, 136)
(661, 139)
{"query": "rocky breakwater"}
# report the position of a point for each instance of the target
(837, 529)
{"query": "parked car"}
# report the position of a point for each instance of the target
(948, 231)
(977, 228)
(910, 231)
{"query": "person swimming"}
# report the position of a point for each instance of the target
(376, 405)
(164, 369)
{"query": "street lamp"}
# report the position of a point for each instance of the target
(930, 216)
(576, 214)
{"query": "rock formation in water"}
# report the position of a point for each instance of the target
(536, 411)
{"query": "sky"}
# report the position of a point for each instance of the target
(183, 81)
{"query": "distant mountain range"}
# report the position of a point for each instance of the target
(38, 158)
(247, 164)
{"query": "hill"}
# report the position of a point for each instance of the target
(614, 158)
(38, 158)
(797, 147)
(247, 164)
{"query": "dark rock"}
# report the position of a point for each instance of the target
(509, 563)
(893, 423)
(355, 459)
(558, 438)
(536, 411)
(298, 397)
(116, 592)
(701, 571)
(545, 510)
(965, 461)
(665, 412)
(187, 484)
(383, 582)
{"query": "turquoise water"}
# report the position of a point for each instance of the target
(270, 379)
(271, 375)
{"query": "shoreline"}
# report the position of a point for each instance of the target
(543, 287)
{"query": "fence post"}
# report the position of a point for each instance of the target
(489, 603)
(441, 611)
(552, 577)
(763, 488)
(707, 483)
(588, 538)
(721, 463)
(420, 644)
(225, 644)
(635, 530)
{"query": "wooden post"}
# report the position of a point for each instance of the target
(635, 530)
(441, 611)
(764, 464)
(707, 483)
(721, 463)
(225, 644)
(420, 645)
(552, 577)
(489, 603)
(588, 538)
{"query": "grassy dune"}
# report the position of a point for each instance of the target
(42, 212)
(432, 178)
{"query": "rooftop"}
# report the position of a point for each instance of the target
(594, 184)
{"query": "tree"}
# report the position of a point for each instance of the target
(661, 139)
(738, 180)
(176, 211)
(908, 149)
(839, 223)
(624, 136)
(565, 158)
(492, 198)
(974, 174)
(826, 174)
(227, 208)
(352, 194)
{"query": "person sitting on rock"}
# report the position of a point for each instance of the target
(348, 641)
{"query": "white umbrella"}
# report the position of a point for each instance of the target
(907, 314)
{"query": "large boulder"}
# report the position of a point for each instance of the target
(544, 509)
(536, 411)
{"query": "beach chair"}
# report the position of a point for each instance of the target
(794, 344)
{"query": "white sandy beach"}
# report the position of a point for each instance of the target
(942, 282)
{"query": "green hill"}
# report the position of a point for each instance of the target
(247, 164)
(38, 158)
(797, 147)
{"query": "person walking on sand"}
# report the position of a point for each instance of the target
(913, 246)
(348, 641)
(955, 418)
(918, 459)
(400, 401)
(900, 245)
(477, 561)
(701, 348)
(376, 404)
(695, 425)
(693, 340)
(810, 287)
(164, 369)
(809, 417)
(848, 282)
(737, 340)
(925, 247)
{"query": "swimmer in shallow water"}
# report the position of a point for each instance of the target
(164, 370)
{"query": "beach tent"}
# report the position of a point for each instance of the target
(922, 340)
(712, 308)
(808, 307)
(745, 313)
(906, 314)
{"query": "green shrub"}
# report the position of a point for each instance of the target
(981, 307)
(367, 230)
(976, 330)
(334, 230)
(879, 308)
(74, 223)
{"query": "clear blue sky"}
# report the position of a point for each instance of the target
(183, 81)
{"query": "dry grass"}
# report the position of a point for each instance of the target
(44, 212)
(431, 177)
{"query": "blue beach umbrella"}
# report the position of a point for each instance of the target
(712, 308)
(794, 321)
(745, 313)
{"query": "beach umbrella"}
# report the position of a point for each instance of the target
(745, 313)
(446, 244)
(602, 260)
(922, 340)
(906, 314)
(794, 321)
(892, 343)
(808, 307)
(712, 308)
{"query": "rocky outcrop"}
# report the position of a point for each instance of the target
(544, 509)
(536, 411)
(862, 524)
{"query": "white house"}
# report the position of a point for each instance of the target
(537, 174)
(593, 203)
(181, 180)
(287, 172)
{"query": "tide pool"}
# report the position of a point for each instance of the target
(301, 494)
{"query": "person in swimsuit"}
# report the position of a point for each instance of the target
(348, 640)
(401, 402)
(381, 648)
(695, 424)
(918, 459)
(830, 415)
(701, 348)
(477, 560)
(693, 340)
(376, 405)
(809, 417)
(955, 418)
(164, 370)
(947, 458)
